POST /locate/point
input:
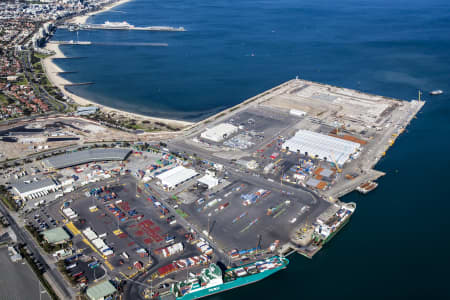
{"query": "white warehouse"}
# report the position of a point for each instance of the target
(176, 176)
(35, 188)
(219, 132)
(209, 180)
(321, 146)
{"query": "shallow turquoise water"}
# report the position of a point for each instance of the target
(397, 245)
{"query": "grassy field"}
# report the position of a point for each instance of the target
(41, 56)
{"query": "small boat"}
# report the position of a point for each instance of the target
(367, 187)
(436, 92)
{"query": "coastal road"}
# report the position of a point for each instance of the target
(38, 89)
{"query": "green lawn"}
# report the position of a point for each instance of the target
(41, 56)
(181, 213)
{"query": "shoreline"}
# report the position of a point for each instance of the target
(51, 70)
(82, 19)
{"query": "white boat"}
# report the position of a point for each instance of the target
(436, 92)
(117, 25)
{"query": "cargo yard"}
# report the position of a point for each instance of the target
(240, 189)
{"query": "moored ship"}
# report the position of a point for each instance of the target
(212, 280)
(117, 25)
(328, 226)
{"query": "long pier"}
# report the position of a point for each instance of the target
(125, 26)
(79, 83)
(71, 42)
(71, 57)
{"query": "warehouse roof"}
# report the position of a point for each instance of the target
(86, 156)
(56, 235)
(209, 180)
(218, 132)
(321, 145)
(100, 290)
(175, 176)
(28, 186)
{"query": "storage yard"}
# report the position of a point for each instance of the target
(237, 215)
(119, 227)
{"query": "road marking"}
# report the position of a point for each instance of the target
(72, 228)
(117, 231)
(108, 264)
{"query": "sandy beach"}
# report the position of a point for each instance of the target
(52, 70)
(82, 19)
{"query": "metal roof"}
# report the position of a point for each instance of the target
(100, 290)
(24, 187)
(175, 176)
(312, 182)
(218, 132)
(326, 172)
(56, 235)
(86, 156)
(209, 180)
(321, 145)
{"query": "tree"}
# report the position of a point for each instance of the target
(27, 111)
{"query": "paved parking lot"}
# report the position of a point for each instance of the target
(41, 219)
(234, 225)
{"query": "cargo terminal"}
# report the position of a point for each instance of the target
(279, 162)
(257, 181)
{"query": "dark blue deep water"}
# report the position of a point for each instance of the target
(397, 245)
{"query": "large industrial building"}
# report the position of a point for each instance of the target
(176, 176)
(321, 146)
(209, 180)
(86, 156)
(219, 132)
(35, 188)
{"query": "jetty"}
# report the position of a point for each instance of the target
(118, 26)
(79, 83)
(71, 42)
(66, 72)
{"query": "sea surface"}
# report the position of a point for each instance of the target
(397, 246)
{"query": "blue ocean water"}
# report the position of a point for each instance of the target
(397, 245)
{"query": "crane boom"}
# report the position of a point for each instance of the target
(335, 164)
